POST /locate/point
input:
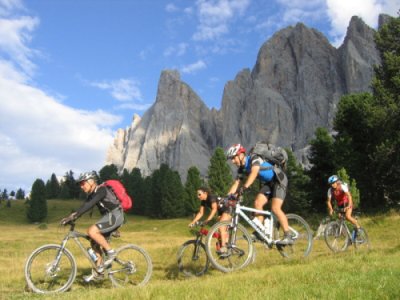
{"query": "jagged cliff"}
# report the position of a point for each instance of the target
(294, 88)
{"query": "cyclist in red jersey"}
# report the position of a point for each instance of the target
(339, 191)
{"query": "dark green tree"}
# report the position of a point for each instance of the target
(69, 188)
(4, 195)
(37, 209)
(167, 193)
(323, 160)
(108, 172)
(20, 194)
(52, 187)
(368, 127)
(219, 173)
(133, 182)
(298, 198)
(193, 183)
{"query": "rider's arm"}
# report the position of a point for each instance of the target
(198, 215)
(234, 186)
(214, 209)
(252, 176)
(329, 204)
(99, 195)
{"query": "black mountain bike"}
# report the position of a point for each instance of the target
(192, 256)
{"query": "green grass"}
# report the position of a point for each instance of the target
(324, 275)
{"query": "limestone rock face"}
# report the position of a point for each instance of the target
(293, 88)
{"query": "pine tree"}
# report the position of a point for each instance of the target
(193, 183)
(219, 173)
(108, 172)
(322, 158)
(20, 194)
(52, 187)
(37, 210)
(298, 198)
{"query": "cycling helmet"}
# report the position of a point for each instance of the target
(235, 150)
(87, 175)
(333, 179)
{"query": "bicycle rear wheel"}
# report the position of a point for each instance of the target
(48, 272)
(240, 248)
(362, 241)
(336, 237)
(132, 266)
(193, 259)
(301, 235)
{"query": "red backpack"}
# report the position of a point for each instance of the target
(120, 192)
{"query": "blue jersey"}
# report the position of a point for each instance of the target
(266, 175)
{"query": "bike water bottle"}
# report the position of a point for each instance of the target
(92, 254)
(258, 223)
(267, 225)
(353, 235)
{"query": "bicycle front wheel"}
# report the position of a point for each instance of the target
(336, 237)
(50, 270)
(301, 235)
(239, 246)
(193, 259)
(362, 241)
(132, 266)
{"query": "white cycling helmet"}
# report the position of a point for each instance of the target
(333, 179)
(235, 150)
(87, 175)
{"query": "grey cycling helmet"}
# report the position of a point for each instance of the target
(87, 175)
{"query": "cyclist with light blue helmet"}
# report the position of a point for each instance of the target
(339, 191)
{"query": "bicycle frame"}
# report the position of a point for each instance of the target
(266, 236)
(75, 236)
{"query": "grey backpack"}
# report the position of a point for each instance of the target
(275, 155)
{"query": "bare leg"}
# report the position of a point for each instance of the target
(259, 203)
(276, 208)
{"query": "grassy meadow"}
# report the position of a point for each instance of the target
(373, 274)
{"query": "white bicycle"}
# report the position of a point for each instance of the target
(240, 242)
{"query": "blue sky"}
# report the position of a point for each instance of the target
(72, 72)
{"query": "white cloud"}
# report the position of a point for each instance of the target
(170, 7)
(39, 135)
(214, 17)
(193, 68)
(123, 89)
(341, 11)
(14, 34)
(178, 50)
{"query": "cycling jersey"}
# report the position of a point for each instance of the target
(339, 194)
(103, 198)
(213, 199)
(266, 173)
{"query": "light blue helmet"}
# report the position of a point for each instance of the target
(333, 179)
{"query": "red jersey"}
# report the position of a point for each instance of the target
(339, 194)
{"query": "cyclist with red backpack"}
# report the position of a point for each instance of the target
(339, 191)
(274, 184)
(112, 218)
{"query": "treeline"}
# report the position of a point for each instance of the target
(364, 151)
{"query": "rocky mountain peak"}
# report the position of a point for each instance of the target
(293, 88)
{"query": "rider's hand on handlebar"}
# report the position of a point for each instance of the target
(69, 219)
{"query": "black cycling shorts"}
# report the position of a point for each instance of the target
(111, 220)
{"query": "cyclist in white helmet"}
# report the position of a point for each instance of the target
(339, 191)
(112, 218)
(256, 167)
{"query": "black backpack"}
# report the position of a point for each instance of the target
(275, 155)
